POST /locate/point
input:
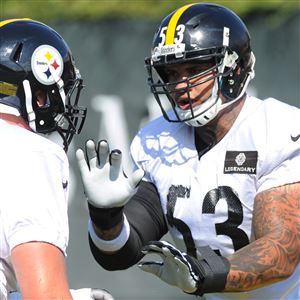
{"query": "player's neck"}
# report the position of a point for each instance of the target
(214, 131)
(14, 120)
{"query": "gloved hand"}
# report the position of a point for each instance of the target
(105, 184)
(14, 296)
(91, 294)
(206, 274)
(80, 294)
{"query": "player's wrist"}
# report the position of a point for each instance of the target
(106, 218)
(112, 242)
(212, 271)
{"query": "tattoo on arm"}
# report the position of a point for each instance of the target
(275, 253)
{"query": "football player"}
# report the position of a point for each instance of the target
(39, 94)
(219, 171)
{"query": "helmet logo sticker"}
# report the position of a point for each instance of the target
(47, 64)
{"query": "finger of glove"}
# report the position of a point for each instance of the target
(169, 250)
(183, 265)
(151, 248)
(163, 247)
(115, 160)
(100, 294)
(166, 251)
(82, 164)
(172, 251)
(136, 177)
(91, 153)
(153, 267)
(188, 277)
(103, 153)
(161, 244)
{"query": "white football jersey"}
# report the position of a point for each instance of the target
(34, 177)
(209, 200)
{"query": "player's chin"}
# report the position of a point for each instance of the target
(193, 103)
(183, 105)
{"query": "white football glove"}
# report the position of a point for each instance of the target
(80, 294)
(206, 274)
(14, 296)
(104, 182)
(174, 269)
(91, 294)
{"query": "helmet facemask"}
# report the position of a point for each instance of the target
(60, 111)
(71, 121)
(223, 66)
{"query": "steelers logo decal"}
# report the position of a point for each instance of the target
(47, 64)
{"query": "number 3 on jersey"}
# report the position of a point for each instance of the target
(229, 227)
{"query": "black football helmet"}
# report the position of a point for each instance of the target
(201, 33)
(35, 59)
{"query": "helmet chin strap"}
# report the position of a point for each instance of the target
(206, 112)
(212, 112)
(28, 103)
(60, 85)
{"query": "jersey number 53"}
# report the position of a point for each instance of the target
(229, 228)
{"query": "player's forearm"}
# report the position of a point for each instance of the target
(275, 253)
(263, 262)
(108, 234)
(118, 254)
(109, 240)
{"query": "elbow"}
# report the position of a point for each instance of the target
(290, 269)
(110, 266)
(287, 262)
(112, 262)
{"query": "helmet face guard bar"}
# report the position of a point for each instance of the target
(160, 87)
(72, 120)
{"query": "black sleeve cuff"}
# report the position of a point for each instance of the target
(106, 218)
(212, 270)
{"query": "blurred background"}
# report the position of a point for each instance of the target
(109, 40)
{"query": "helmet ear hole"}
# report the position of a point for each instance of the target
(41, 98)
(238, 70)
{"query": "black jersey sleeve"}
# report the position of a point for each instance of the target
(147, 223)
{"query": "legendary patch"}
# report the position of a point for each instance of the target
(47, 64)
(243, 162)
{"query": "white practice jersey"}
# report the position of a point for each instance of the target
(209, 201)
(34, 175)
